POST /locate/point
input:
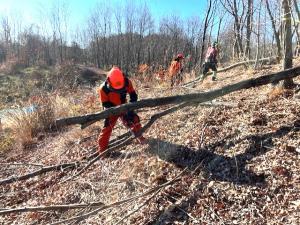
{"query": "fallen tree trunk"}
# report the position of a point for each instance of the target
(269, 60)
(116, 143)
(194, 97)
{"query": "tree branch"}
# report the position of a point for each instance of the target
(46, 169)
(50, 208)
(193, 97)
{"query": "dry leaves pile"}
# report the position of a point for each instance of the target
(242, 166)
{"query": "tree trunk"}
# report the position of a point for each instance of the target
(297, 50)
(276, 33)
(258, 38)
(238, 29)
(204, 32)
(249, 28)
(287, 40)
(219, 28)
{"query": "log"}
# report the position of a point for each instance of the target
(193, 97)
(269, 60)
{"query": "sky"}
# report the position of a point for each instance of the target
(33, 10)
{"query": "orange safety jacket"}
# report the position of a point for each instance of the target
(175, 68)
(111, 97)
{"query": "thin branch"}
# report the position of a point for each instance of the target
(46, 169)
(50, 208)
(138, 208)
(22, 164)
(149, 192)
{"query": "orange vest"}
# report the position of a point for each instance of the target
(174, 68)
(116, 97)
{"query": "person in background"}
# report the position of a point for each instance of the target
(211, 62)
(176, 69)
(113, 92)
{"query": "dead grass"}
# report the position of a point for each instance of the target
(6, 142)
(279, 91)
(26, 125)
(29, 123)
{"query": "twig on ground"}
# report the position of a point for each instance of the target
(50, 208)
(22, 164)
(46, 169)
(128, 140)
(138, 208)
(149, 192)
(201, 140)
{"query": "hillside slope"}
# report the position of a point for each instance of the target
(240, 164)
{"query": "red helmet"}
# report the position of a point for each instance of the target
(116, 78)
(180, 56)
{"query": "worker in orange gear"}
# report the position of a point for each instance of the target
(113, 93)
(176, 69)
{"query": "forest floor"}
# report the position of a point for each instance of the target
(238, 163)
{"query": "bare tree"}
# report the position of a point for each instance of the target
(275, 31)
(249, 27)
(145, 24)
(119, 23)
(59, 23)
(207, 19)
(237, 10)
(6, 32)
(258, 33)
(130, 26)
(296, 28)
(193, 29)
(287, 40)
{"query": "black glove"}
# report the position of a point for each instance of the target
(133, 97)
(129, 115)
(107, 105)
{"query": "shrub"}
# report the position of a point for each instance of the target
(28, 122)
(37, 117)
